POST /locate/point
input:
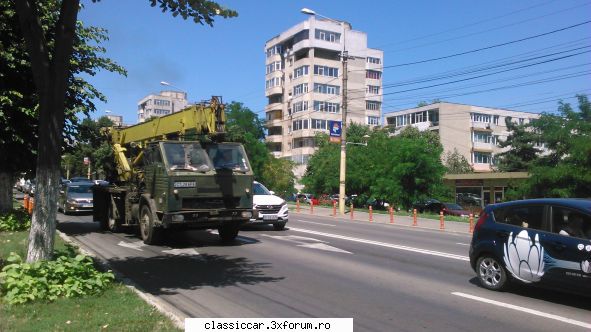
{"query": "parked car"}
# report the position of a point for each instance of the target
(377, 204)
(468, 199)
(80, 179)
(448, 209)
(421, 206)
(307, 199)
(75, 197)
(101, 182)
(538, 241)
(272, 210)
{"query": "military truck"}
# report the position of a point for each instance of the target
(175, 172)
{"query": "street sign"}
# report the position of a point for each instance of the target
(86, 160)
(334, 128)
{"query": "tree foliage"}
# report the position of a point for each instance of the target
(564, 170)
(456, 163)
(523, 153)
(399, 169)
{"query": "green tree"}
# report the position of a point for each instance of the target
(522, 151)
(565, 169)
(240, 120)
(456, 163)
(278, 175)
(50, 46)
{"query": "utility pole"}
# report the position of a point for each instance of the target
(343, 165)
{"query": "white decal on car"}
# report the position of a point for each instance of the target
(523, 258)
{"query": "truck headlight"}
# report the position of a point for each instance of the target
(246, 214)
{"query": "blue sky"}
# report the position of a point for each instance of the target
(229, 60)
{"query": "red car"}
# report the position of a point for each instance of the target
(307, 199)
(449, 209)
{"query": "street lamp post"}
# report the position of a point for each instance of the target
(343, 160)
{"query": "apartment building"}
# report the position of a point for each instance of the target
(473, 130)
(304, 85)
(116, 119)
(161, 104)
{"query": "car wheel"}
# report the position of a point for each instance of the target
(491, 274)
(149, 233)
(279, 226)
(228, 233)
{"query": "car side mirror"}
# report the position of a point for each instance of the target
(272, 192)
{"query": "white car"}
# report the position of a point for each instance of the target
(272, 210)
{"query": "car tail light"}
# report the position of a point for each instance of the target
(480, 221)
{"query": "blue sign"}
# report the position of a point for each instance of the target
(335, 128)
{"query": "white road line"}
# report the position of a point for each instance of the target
(382, 244)
(463, 244)
(317, 223)
(526, 310)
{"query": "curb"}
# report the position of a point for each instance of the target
(162, 306)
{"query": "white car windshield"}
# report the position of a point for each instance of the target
(259, 189)
(186, 156)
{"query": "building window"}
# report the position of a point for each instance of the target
(327, 89)
(274, 66)
(373, 60)
(326, 71)
(299, 124)
(371, 105)
(433, 116)
(373, 120)
(418, 117)
(300, 71)
(161, 102)
(273, 82)
(496, 119)
(479, 117)
(372, 89)
(482, 158)
(300, 89)
(161, 111)
(521, 121)
(300, 106)
(318, 124)
(373, 74)
(402, 120)
(277, 49)
(482, 137)
(328, 36)
(323, 106)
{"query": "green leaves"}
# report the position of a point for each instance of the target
(15, 221)
(69, 275)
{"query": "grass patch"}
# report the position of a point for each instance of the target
(116, 309)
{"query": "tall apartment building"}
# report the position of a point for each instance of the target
(161, 104)
(116, 119)
(473, 130)
(304, 85)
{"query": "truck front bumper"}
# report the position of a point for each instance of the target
(204, 219)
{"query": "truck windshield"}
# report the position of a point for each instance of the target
(186, 156)
(228, 156)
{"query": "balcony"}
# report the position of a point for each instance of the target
(483, 125)
(274, 138)
(274, 90)
(483, 147)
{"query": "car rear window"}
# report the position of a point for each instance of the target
(527, 216)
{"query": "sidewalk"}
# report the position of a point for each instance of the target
(382, 218)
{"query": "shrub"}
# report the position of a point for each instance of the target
(68, 275)
(15, 221)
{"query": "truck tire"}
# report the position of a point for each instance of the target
(228, 233)
(149, 233)
(113, 222)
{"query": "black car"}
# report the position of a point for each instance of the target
(423, 205)
(537, 241)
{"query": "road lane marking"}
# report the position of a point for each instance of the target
(523, 309)
(463, 244)
(316, 223)
(383, 244)
(308, 242)
(184, 252)
(387, 245)
(132, 245)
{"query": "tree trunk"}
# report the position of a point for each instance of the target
(5, 191)
(50, 74)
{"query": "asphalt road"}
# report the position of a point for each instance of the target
(387, 277)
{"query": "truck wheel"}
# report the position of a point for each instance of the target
(149, 233)
(228, 233)
(113, 223)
